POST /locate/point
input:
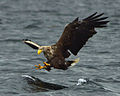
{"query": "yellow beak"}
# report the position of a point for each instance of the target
(39, 51)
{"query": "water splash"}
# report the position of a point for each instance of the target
(81, 81)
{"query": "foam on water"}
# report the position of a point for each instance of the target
(81, 81)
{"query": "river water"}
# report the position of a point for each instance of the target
(43, 22)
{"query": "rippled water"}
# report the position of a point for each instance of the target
(43, 22)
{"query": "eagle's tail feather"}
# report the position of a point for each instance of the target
(74, 62)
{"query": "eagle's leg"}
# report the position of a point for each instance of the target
(46, 64)
(42, 67)
(39, 67)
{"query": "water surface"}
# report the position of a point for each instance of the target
(43, 22)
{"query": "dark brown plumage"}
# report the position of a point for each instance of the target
(74, 37)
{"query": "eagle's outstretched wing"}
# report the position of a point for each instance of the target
(77, 33)
(31, 44)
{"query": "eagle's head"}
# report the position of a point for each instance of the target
(45, 49)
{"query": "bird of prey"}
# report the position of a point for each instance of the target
(73, 38)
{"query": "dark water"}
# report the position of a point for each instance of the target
(43, 22)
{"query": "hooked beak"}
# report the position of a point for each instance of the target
(39, 51)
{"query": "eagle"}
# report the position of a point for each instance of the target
(73, 38)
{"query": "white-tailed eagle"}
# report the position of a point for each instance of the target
(74, 37)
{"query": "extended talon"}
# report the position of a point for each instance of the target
(46, 64)
(39, 67)
(42, 67)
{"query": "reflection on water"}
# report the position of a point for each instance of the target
(39, 85)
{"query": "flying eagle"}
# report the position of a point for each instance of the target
(74, 37)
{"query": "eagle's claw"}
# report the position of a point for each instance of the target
(46, 64)
(39, 67)
(42, 67)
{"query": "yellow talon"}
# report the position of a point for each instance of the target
(36, 68)
(42, 67)
(46, 64)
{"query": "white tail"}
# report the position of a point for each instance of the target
(75, 62)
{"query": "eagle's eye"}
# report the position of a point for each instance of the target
(48, 49)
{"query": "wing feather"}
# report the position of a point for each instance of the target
(77, 33)
(31, 44)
